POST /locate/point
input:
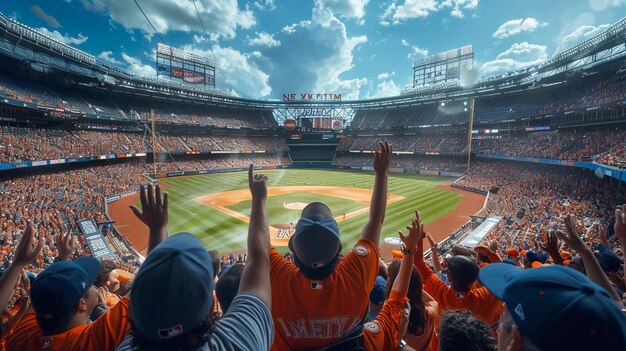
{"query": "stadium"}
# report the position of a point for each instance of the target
(494, 164)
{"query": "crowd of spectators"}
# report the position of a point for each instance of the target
(532, 199)
(92, 103)
(27, 144)
(607, 146)
(407, 162)
(54, 202)
(420, 144)
(602, 146)
(595, 92)
(220, 162)
(263, 300)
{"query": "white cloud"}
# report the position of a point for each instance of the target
(385, 75)
(108, 57)
(264, 39)
(265, 5)
(39, 12)
(405, 43)
(417, 53)
(219, 17)
(346, 8)
(397, 13)
(517, 26)
(517, 56)
(580, 34)
(385, 89)
(601, 5)
(136, 66)
(63, 38)
(312, 57)
(237, 71)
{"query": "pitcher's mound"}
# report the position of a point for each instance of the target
(295, 205)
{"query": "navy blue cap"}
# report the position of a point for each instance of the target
(58, 288)
(377, 295)
(173, 290)
(557, 308)
(316, 239)
(607, 259)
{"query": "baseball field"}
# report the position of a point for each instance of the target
(215, 207)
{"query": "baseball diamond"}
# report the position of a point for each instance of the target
(200, 203)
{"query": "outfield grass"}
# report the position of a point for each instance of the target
(223, 233)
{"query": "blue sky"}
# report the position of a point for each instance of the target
(360, 48)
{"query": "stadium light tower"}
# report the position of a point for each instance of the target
(471, 127)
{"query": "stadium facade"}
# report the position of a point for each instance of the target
(47, 85)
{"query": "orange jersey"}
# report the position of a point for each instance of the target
(311, 314)
(106, 333)
(478, 300)
(428, 340)
(381, 334)
(111, 299)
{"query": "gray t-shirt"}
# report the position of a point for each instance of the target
(247, 325)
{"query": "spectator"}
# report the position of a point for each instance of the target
(377, 297)
(324, 289)
(554, 308)
(63, 297)
(227, 286)
(173, 292)
(462, 331)
(462, 292)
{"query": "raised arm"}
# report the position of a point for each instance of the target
(153, 213)
(378, 204)
(24, 255)
(416, 233)
(592, 267)
(620, 230)
(434, 254)
(255, 278)
(552, 248)
(65, 246)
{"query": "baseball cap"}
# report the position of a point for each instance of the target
(173, 290)
(512, 252)
(316, 239)
(533, 256)
(58, 288)
(607, 259)
(377, 295)
(558, 308)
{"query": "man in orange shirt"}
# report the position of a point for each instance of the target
(63, 296)
(462, 294)
(322, 299)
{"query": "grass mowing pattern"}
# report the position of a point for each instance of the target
(223, 233)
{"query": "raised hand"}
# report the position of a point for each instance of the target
(66, 246)
(552, 247)
(25, 254)
(416, 233)
(620, 223)
(382, 158)
(257, 184)
(572, 238)
(493, 245)
(153, 212)
(431, 241)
